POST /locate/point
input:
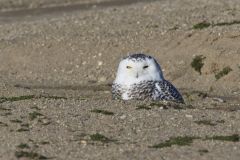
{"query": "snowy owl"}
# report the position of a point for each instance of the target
(140, 77)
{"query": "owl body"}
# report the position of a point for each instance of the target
(140, 77)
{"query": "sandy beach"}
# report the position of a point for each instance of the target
(58, 60)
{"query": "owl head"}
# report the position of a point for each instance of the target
(136, 68)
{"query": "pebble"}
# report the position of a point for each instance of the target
(45, 121)
(189, 116)
(83, 142)
(102, 79)
(100, 63)
(123, 116)
(107, 92)
(218, 99)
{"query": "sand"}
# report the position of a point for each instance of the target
(59, 58)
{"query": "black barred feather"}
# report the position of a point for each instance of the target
(152, 90)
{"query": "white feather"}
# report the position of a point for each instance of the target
(126, 77)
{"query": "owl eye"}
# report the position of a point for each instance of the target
(144, 67)
(128, 67)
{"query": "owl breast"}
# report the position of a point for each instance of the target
(147, 90)
(139, 91)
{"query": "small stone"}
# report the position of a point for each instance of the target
(100, 63)
(123, 116)
(161, 108)
(83, 142)
(218, 99)
(235, 92)
(102, 79)
(189, 116)
(45, 121)
(107, 92)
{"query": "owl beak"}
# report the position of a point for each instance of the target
(137, 75)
